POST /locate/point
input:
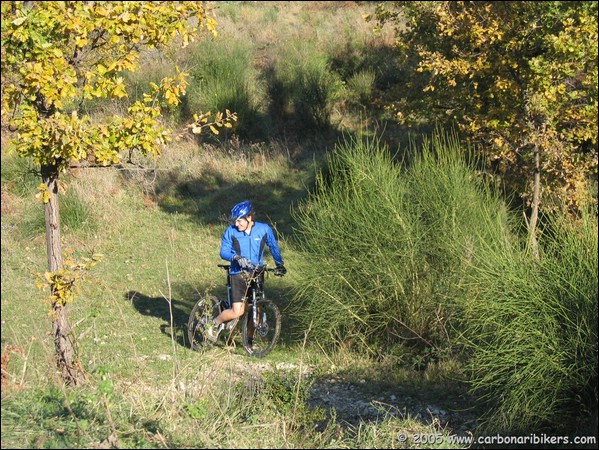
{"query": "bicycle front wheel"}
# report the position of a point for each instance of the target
(202, 313)
(261, 330)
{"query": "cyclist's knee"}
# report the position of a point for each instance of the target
(238, 309)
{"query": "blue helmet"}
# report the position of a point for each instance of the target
(240, 210)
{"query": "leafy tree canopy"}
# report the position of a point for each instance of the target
(55, 55)
(511, 75)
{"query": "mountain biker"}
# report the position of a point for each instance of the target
(243, 244)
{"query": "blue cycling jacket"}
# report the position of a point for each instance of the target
(249, 246)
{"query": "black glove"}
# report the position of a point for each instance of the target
(280, 270)
(244, 263)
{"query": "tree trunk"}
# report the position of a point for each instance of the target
(536, 200)
(64, 343)
(534, 134)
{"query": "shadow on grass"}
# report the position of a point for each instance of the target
(179, 310)
(159, 307)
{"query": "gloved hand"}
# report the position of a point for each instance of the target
(244, 263)
(280, 270)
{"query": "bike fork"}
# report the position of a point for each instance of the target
(258, 316)
(255, 317)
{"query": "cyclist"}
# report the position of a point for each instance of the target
(243, 245)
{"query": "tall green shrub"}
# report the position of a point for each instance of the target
(385, 243)
(461, 214)
(344, 234)
(531, 328)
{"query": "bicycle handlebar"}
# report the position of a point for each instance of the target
(263, 268)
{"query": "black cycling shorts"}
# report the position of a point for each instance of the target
(239, 287)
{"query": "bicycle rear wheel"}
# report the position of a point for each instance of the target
(202, 313)
(259, 338)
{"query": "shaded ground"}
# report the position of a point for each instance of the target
(373, 402)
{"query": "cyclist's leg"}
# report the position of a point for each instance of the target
(238, 290)
(235, 312)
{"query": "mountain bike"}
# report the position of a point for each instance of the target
(260, 322)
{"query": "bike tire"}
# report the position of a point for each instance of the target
(259, 341)
(203, 311)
